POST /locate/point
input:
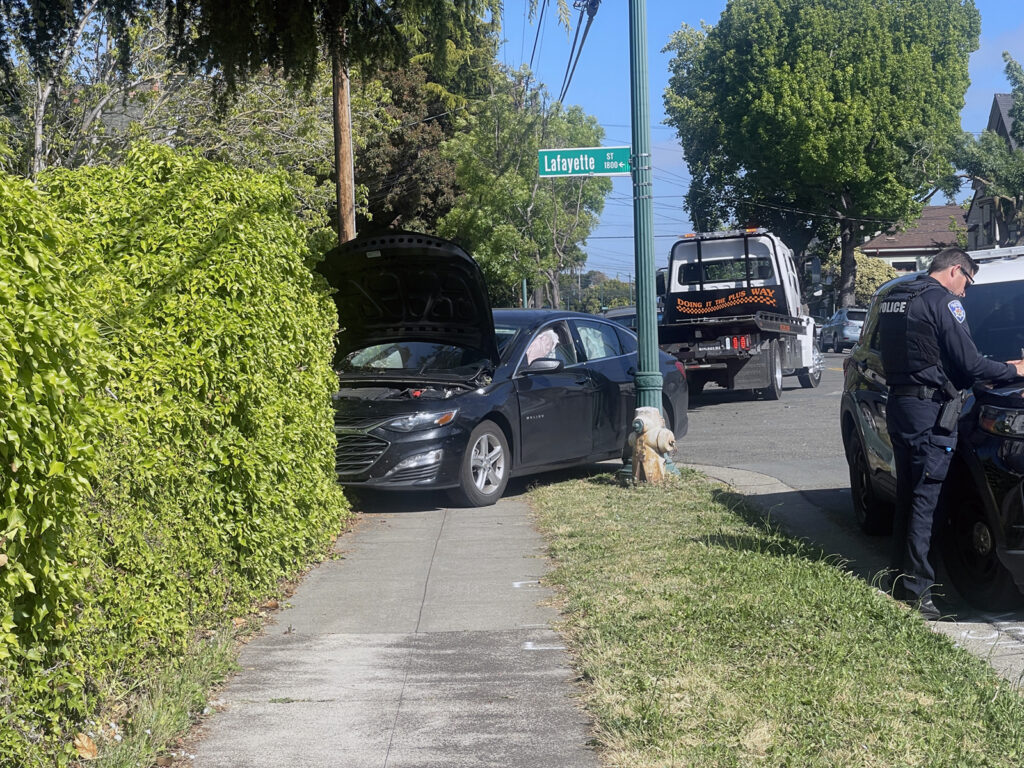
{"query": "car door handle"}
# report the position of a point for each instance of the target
(582, 380)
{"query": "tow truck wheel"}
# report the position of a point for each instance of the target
(774, 389)
(810, 377)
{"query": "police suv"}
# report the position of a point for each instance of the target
(982, 533)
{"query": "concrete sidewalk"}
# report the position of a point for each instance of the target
(429, 643)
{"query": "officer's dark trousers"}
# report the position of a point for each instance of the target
(922, 457)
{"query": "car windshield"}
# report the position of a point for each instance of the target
(420, 357)
(995, 312)
(505, 334)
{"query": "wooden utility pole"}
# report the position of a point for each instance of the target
(344, 171)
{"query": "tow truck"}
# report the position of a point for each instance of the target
(732, 313)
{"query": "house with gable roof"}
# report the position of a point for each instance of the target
(912, 249)
(986, 226)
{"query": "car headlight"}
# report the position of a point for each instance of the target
(1005, 422)
(427, 420)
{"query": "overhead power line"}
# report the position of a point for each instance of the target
(540, 26)
(590, 8)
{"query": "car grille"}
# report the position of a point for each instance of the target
(347, 423)
(357, 452)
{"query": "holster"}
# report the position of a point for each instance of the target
(950, 412)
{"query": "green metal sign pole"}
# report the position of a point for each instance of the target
(648, 377)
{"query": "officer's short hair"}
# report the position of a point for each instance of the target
(953, 257)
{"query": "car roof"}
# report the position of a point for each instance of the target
(619, 311)
(999, 267)
(525, 318)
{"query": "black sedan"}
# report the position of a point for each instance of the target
(436, 391)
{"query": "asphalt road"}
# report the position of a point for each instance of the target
(794, 439)
(787, 456)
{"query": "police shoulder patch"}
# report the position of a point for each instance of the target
(958, 310)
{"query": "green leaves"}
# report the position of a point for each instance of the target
(799, 114)
(516, 224)
(158, 478)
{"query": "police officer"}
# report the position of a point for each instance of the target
(928, 355)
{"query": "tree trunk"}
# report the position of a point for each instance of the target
(847, 264)
(38, 162)
(343, 162)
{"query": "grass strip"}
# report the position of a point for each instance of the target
(704, 637)
(164, 708)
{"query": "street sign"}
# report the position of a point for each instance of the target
(584, 161)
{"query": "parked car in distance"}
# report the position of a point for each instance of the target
(981, 537)
(843, 329)
(437, 391)
(626, 316)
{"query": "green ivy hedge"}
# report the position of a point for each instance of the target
(186, 450)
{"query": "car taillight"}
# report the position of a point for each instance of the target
(744, 342)
(681, 368)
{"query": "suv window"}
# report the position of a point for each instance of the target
(856, 314)
(995, 312)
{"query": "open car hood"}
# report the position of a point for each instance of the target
(404, 286)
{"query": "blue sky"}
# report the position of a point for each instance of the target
(600, 86)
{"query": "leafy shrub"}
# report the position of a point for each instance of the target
(48, 423)
(214, 472)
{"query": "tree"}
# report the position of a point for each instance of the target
(994, 165)
(237, 39)
(871, 273)
(92, 109)
(410, 182)
(517, 225)
(825, 110)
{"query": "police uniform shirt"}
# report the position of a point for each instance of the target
(936, 342)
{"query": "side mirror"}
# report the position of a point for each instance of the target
(544, 365)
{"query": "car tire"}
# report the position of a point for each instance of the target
(969, 554)
(695, 385)
(485, 467)
(873, 515)
(837, 345)
(774, 389)
(811, 377)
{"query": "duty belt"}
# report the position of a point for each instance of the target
(919, 391)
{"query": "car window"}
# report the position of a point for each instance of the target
(856, 314)
(599, 339)
(995, 312)
(504, 335)
(627, 341)
(552, 341)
